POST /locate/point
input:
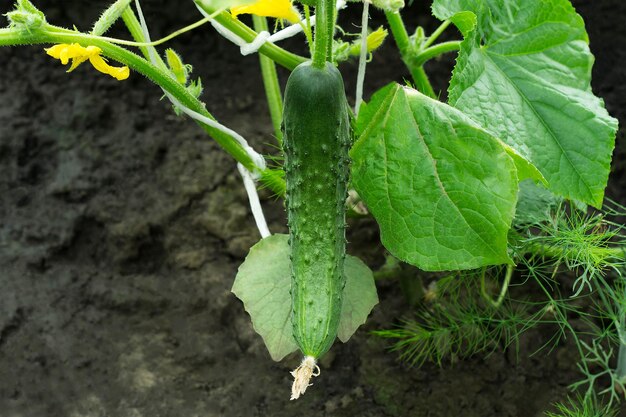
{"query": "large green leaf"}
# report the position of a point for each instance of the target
(263, 283)
(524, 73)
(442, 189)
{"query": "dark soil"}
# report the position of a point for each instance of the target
(122, 227)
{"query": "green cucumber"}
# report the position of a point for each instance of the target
(317, 135)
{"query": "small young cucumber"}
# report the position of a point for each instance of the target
(317, 132)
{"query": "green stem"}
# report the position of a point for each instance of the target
(503, 290)
(432, 38)
(620, 370)
(270, 81)
(324, 30)
(422, 83)
(134, 27)
(434, 51)
(276, 184)
(562, 320)
(620, 323)
(398, 30)
(307, 28)
(54, 35)
(564, 252)
(390, 270)
(162, 40)
(275, 53)
(330, 26)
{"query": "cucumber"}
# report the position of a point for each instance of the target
(317, 135)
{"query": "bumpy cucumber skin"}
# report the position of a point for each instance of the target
(317, 132)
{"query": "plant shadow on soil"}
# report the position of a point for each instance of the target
(122, 227)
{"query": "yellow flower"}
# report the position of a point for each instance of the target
(373, 40)
(376, 38)
(281, 9)
(79, 54)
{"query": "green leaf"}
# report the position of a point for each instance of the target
(524, 73)
(465, 21)
(535, 204)
(442, 189)
(525, 170)
(263, 283)
(359, 297)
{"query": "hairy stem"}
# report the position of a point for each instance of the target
(435, 51)
(49, 34)
(307, 29)
(565, 252)
(270, 82)
(275, 53)
(324, 30)
(503, 290)
(134, 27)
(398, 30)
(432, 38)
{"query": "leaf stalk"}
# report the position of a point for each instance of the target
(401, 36)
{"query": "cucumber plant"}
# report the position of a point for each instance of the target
(451, 184)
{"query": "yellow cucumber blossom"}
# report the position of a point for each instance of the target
(373, 40)
(79, 54)
(376, 38)
(280, 9)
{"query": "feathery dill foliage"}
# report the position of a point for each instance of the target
(457, 324)
(598, 314)
(582, 407)
(458, 330)
(588, 244)
(596, 367)
(593, 247)
(550, 239)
